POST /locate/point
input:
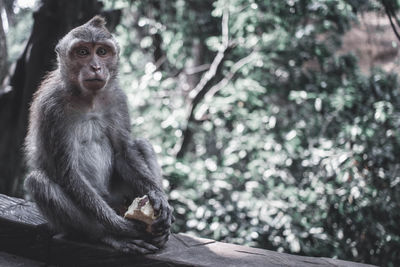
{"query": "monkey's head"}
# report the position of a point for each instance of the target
(88, 56)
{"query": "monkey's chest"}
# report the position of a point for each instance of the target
(95, 154)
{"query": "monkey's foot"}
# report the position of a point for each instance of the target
(129, 245)
(160, 240)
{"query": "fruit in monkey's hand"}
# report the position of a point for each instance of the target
(141, 210)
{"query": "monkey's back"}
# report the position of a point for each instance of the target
(38, 129)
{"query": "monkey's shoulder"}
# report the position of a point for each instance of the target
(45, 114)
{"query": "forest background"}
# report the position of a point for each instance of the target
(276, 122)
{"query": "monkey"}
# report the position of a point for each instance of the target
(83, 163)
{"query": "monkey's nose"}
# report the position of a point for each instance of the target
(95, 68)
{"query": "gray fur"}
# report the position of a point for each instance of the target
(84, 164)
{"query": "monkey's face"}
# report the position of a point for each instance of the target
(91, 64)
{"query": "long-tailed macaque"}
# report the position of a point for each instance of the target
(83, 163)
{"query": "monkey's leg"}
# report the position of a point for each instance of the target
(58, 208)
(66, 217)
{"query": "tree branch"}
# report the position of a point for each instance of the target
(199, 91)
(221, 84)
(197, 69)
(204, 85)
(391, 13)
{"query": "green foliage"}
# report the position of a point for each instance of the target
(298, 152)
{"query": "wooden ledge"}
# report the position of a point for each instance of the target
(26, 239)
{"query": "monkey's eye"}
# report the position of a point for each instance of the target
(101, 51)
(82, 52)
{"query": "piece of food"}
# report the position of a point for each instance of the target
(141, 210)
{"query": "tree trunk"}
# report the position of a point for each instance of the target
(51, 21)
(9, 8)
(3, 48)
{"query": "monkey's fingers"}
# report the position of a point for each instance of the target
(160, 231)
(160, 241)
(130, 246)
(163, 222)
(155, 201)
(143, 245)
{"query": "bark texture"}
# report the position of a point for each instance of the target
(3, 48)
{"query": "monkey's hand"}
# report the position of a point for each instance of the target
(129, 228)
(162, 210)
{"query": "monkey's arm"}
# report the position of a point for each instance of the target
(135, 161)
(137, 164)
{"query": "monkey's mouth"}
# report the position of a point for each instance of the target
(94, 84)
(94, 80)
